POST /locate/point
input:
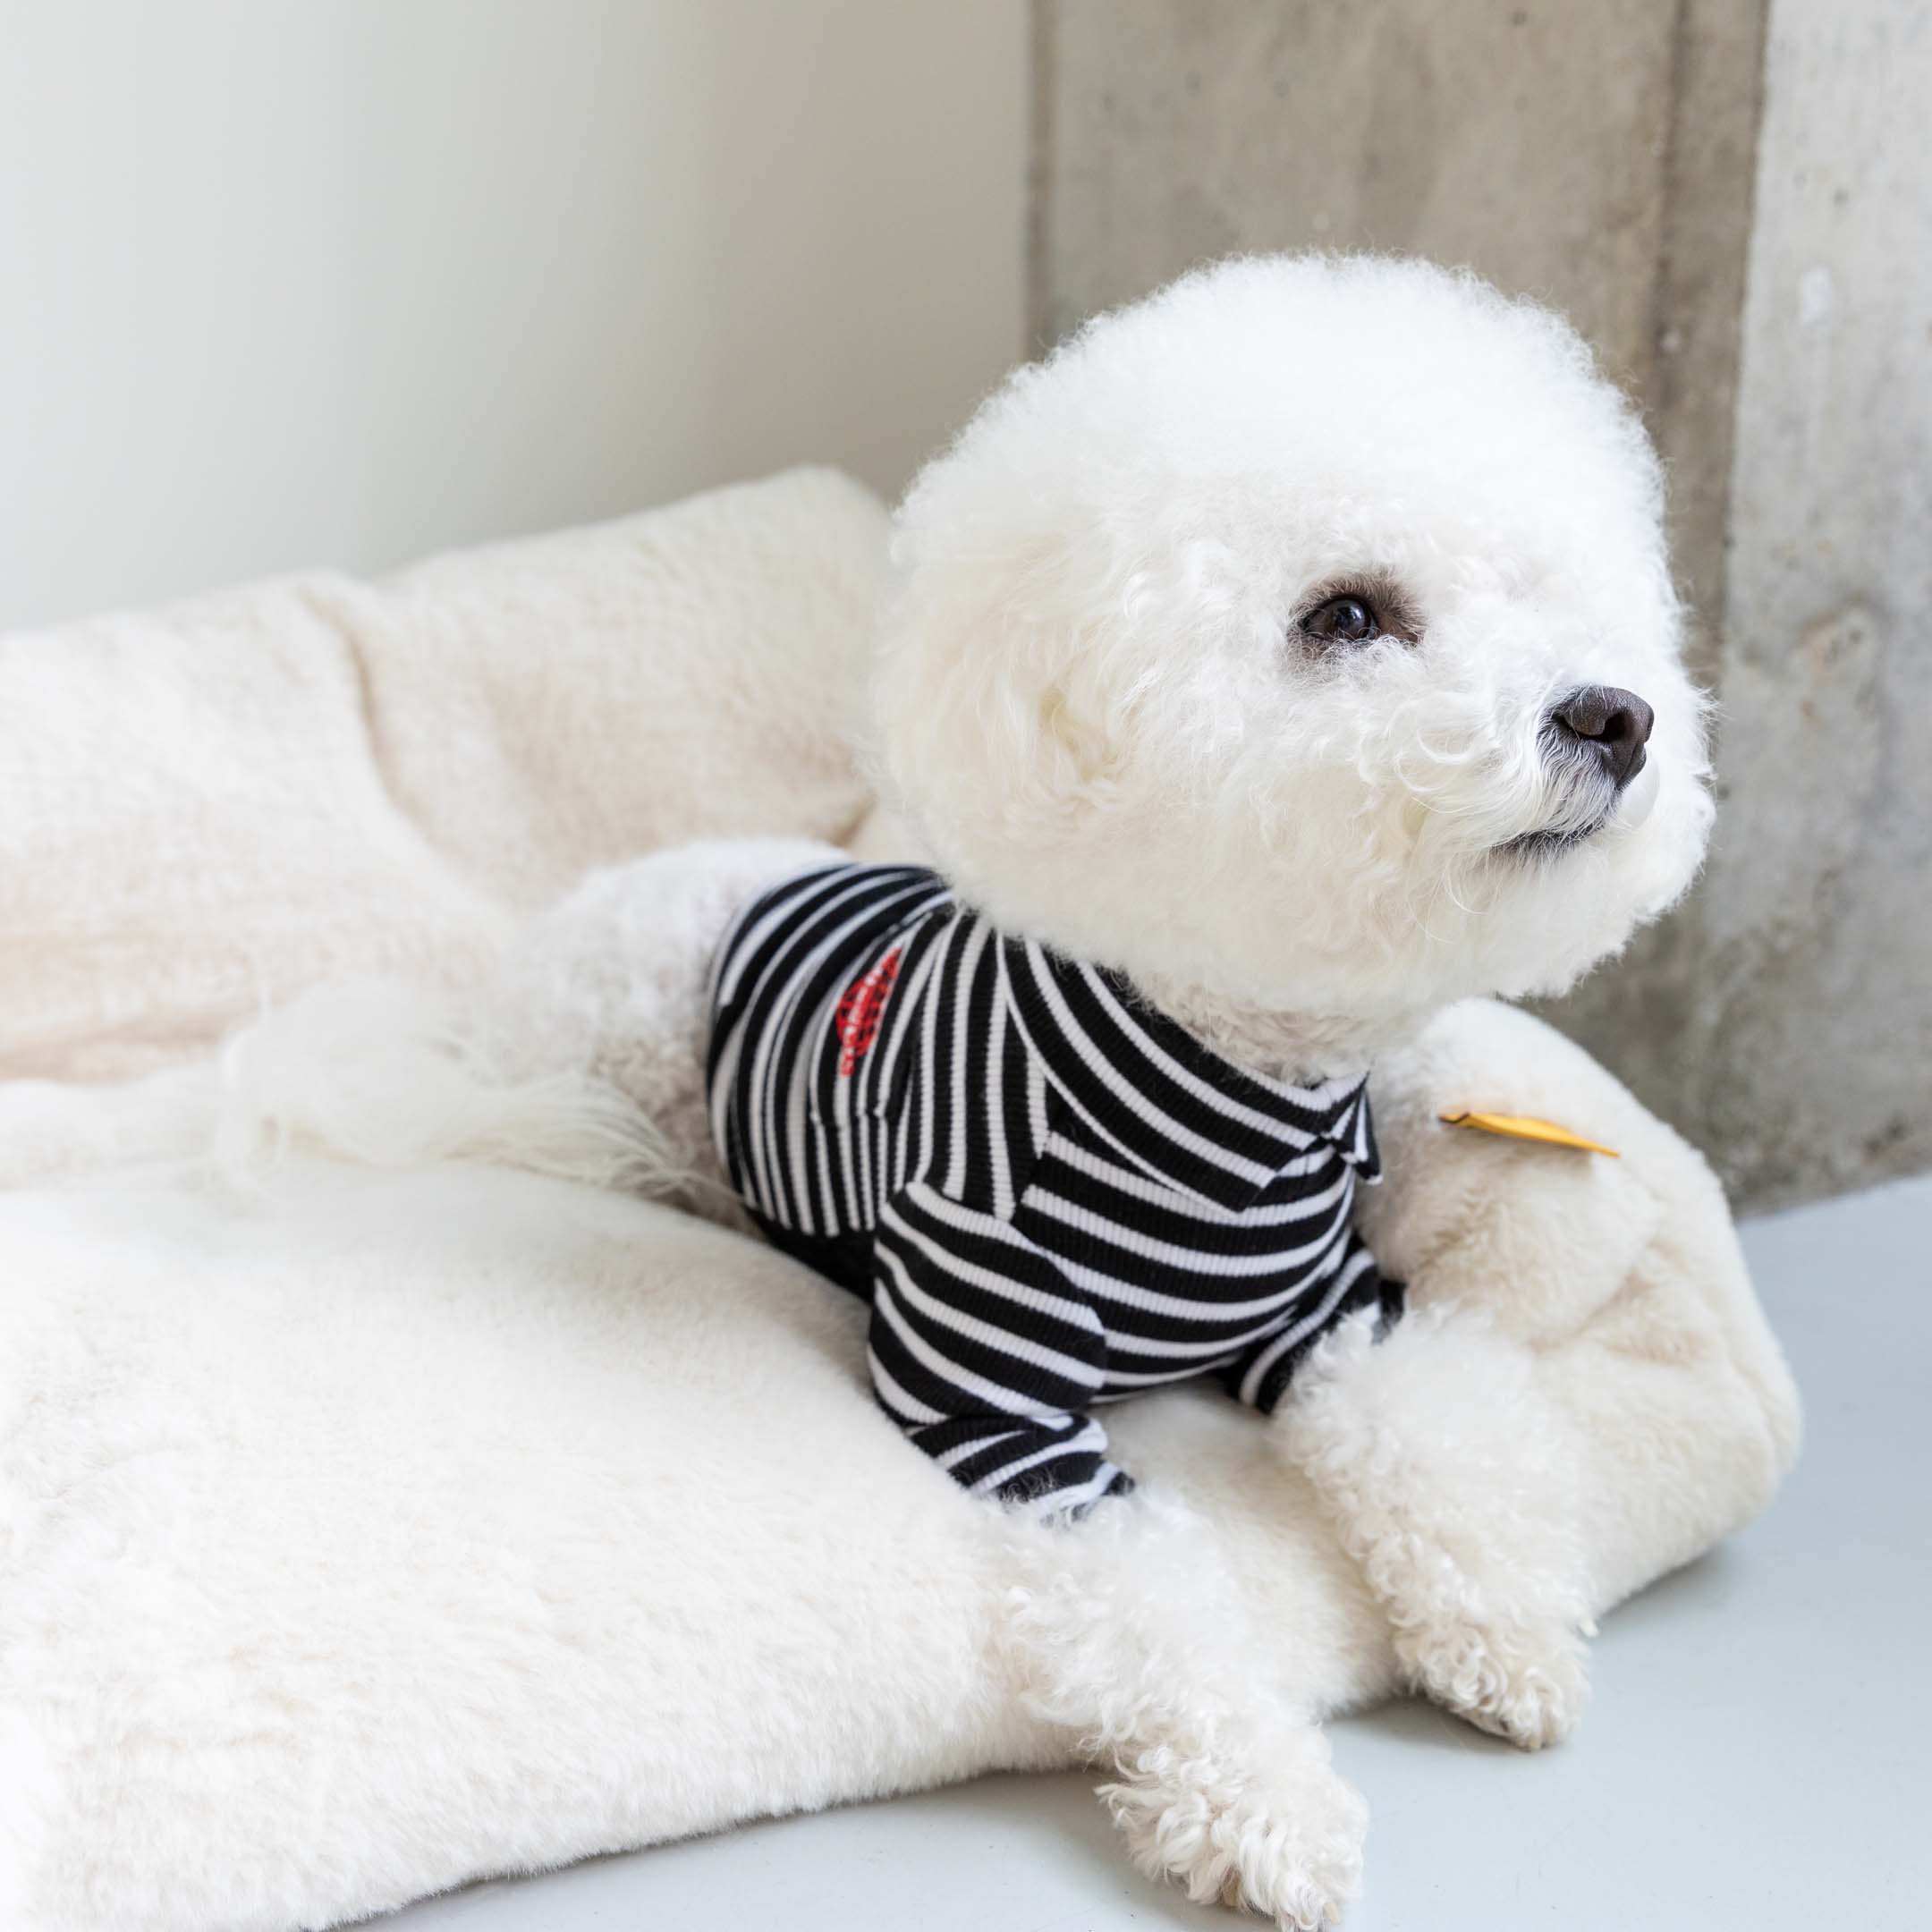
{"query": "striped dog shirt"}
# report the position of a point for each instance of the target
(1051, 1196)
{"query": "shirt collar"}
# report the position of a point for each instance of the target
(1163, 1098)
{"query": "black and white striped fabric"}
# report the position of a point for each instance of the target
(1053, 1196)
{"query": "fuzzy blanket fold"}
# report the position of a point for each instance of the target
(207, 808)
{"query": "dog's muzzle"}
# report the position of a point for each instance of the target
(1604, 725)
(1600, 731)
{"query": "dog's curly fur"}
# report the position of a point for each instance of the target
(1094, 701)
(1098, 707)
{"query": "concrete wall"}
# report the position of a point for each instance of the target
(1607, 159)
(1811, 1052)
(291, 282)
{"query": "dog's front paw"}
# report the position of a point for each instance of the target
(1286, 1842)
(1522, 1682)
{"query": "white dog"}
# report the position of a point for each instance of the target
(1299, 645)
(1289, 655)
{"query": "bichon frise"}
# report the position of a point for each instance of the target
(1284, 657)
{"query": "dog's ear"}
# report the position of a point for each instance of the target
(990, 716)
(1076, 756)
(1056, 745)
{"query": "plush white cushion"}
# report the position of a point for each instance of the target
(381, 1533)
(378, 1532)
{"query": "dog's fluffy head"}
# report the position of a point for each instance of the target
(1100, 698)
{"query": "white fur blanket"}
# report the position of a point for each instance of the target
(363, 1533)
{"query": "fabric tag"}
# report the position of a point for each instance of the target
(1525, 1127)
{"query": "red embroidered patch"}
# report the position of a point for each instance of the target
(857, 1014)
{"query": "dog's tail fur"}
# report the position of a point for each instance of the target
(579, 1054)
(387, 1075)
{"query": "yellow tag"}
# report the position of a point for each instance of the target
(1521, 1127)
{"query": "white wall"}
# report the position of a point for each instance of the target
(286, 281)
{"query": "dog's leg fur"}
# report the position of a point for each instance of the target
(1451, 1480)
(1127, 1633)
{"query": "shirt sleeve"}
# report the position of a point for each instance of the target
(983, 1355)
(1261, 1375)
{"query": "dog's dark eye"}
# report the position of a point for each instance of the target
(1343, 619)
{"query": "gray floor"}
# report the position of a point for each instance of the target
(1756, 1754)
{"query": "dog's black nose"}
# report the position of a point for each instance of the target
(1608, 723)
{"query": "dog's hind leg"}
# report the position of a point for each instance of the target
(613, 983)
